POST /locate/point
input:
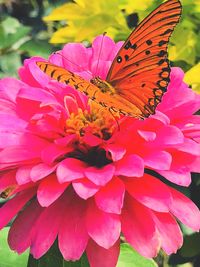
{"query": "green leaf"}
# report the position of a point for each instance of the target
(36, 47)
(183, 48)
(8, 258)
(53, 258)
(130, 258)
(10, 25)
(191, 246)
(9, 64)
(11, 32)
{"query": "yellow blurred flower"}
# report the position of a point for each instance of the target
(192, 77)
(86, 19)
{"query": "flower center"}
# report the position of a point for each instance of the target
(97, 121)
(93, 156)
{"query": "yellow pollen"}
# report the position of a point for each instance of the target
(98, 120)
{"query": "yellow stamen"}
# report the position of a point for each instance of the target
(98, 120)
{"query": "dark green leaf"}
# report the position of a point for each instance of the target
(53, 258)
(191, 246)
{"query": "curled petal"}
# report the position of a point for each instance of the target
(47, 228)
(100, 176)
(150, 191)
(70, 169)
(104, 228)
(169, 231)
(139, 228)
(110, 198)
(99, 256)
(185, 210)
(23, 227)
(160, 160)
(85, 188)
(50, 190)
(73, 236)
(130, 166)
(13, 206)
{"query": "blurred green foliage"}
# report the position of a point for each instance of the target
(38, 27)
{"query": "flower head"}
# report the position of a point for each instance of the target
(79, 178)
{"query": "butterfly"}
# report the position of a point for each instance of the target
(140, 72)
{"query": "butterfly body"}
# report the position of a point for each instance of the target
(139, 74)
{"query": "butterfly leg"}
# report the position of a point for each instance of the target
(110, 110)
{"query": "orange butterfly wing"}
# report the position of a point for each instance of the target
(140, 71)
(139, 74)
(64, 76)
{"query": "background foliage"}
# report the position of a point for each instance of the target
(39, 27)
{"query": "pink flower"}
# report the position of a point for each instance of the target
(76, 177)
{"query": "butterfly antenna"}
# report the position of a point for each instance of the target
(118, 126)
(57, 53)
(100, 53)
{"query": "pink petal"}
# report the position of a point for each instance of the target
(161, 117)
(150, 191)
(50, 190)
(11, 123)
(37, 94)
(14, 205)
(103, 46)
(40, 171)
(101, 257)
(110, 197)
(14, 86)
(139, 229)
(103, 228)
(7, 179)
(170, 232)
(183, 93)
(91, 139)
(74, 52)
(100, 176)
(177, 176)
(52, 152)
(185, 210)
(23, 227)
(170, 135)
(190, 146)
(10, 139)
(70, 169)
(159, 160)
(103, 68)
(85, 188)
(34, 76)
(147, 135)
(117, 152)
(64, 141)
(73, 236)
(23, 174)
(47, 227)
(130, 166)
(17, 154)
(70, 104)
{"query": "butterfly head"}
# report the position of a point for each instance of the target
(102, 85)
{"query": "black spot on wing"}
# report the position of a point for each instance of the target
(149, 42)
(119, 59)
